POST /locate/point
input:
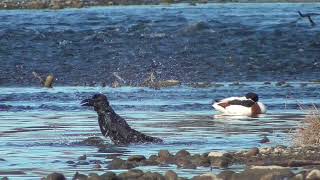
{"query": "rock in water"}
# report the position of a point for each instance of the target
(56, 176)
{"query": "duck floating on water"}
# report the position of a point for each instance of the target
(247, 105)
(114, 126)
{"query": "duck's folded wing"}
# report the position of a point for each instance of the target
(245, 103)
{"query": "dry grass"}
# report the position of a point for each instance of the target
(309, 132)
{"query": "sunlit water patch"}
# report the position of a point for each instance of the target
(40, 129)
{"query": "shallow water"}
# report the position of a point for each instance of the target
(40, 129)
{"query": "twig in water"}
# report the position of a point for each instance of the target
(308, 15)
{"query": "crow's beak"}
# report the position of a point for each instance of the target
(87, 102)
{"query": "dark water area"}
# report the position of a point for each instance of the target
(211, 42)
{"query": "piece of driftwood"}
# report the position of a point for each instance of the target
(309, 15)
(48, 82)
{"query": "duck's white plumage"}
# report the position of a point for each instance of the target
(228, 107)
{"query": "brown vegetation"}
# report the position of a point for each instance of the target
(309, 132)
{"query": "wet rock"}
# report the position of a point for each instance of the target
(82, 163)
(182, 154)
(93, 141)
(94, 176)
(215, 154)
(164, 157)
(56, 176)
(109, 176)
(264, 173)
(298, 177)
(221, 162)
(313, 175)
(185, 163)
(118, 163)
(83, 157)
(136, 158)
(208, 176)
(171, 175)
(97, 166)
(252, 152)
(225, 174)
(70, 162)
(131, 174)
(152, 176)
(265, 139)
(154, 157)
(200, 160)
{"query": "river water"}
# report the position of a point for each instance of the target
(40, 129)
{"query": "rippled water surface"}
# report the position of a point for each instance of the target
(211, 42)
(41, 129)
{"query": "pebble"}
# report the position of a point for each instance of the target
(182, 154)
(313, 175)
(171, 175)
(215, 154)
(56, 176)
(252, 152)
(265, 139)
(136, 158)
(83, 157)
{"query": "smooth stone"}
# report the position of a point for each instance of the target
(215, 154)
(109, 176)
(165, 157)
(171, 175)
(93, 141)
(313, 175)
(185, 163)
(264, 140)
(253, 152)
(116, 163)
(182, 154)
(56, 176)
(200, 160)
(82, 163)
(298, 177)
(207, 176)
(94, 176)
(165, 154)
(264, 173)
(131, 174)
(225, 174)
(153, 157)
(152, 176)
(83, 157)
(136, 158)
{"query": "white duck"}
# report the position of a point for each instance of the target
(241, 106)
